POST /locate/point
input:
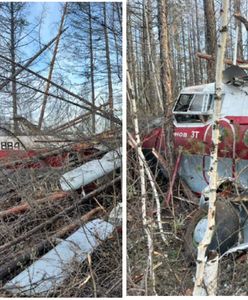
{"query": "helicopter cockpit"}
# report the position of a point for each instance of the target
(193, 108)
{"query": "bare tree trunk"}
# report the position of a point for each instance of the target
(51, 68)
(110, 88)
(139, 69)
(115, 10)
(198, 39)
(118, 9)
(143, 186)
(131, 60)
(92, 78)
(238, 24)
(210, 36)
(200, 288)
(166, 79)
(145, 61)
(13, 66)
(151, 81)
(191, 66)
(196, 62)
(184, 55)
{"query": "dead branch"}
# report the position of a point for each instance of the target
(78, 201)
(28, 63)
(52, 66)
(47, 244)
(56, 196)
(91, 107)
(242, 20)
(242, 63)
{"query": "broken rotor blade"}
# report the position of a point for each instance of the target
(91, 171)
(49, 272)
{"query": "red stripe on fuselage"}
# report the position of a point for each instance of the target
(197, 139)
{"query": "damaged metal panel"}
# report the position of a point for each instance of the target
(233, 72)
(49, 272)
(91, 171)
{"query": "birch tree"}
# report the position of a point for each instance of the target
(143, 190)
(201, 288)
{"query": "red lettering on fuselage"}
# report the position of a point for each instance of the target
(198, 139)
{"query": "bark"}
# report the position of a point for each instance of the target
(131, 61)
(152, 84)
(116, 11)
(13, 66)
(110, 88)
(210, 36)
(238, 24)
(92, 79)
(166, 78)
(196, 63)
(191, 65)
(153, 186)
(242, 19)
(200, 287)
(198, 39)
(142, 185)
(145, 60)
(184, 55)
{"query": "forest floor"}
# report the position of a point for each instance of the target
(100, 274)
(174, 272)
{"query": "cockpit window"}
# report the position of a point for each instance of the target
(210, 102)
(196, 104)
(193, 108)
(184, 102)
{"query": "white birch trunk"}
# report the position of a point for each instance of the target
(154, 190)
(143, 186)
(201, 287)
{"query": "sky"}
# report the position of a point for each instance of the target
(51, 19)
(52, 12)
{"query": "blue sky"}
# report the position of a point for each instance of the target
(51, 19)
(51, 13)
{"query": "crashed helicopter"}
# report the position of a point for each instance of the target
(192, 131)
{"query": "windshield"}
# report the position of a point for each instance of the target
(193, 108)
